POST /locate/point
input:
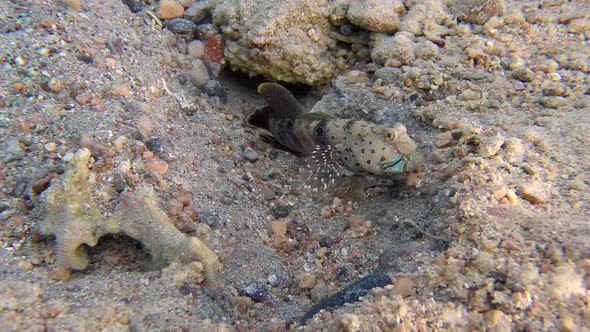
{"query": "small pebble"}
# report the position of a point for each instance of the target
(156, 165)
(209, 217)
(257, 291)
(181, 27)
(326, 212)
(319, 291)
(86, 139)
(305, 280)
(145, 125)
(250, 154)
(198, 74)
(533, 192)
(273, 280)
(523, 74)
(169, 9)
(184, 196)
(198, 11)
(55, 85)
(119, 182)
(196, 49)
(404, 287)
(280, 210)
(50, 147)
(268, 194)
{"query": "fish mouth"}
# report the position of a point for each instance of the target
(395, 162)
(402, 164)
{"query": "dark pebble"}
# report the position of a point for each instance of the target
(209, 217)
(181, 26)
(256, 291)
(162, 147)
(499, 278)
(119, 182)
(134, 6)
(350, 294)
(326, 241)
(188, 290)
(213, 88)
(280, 211)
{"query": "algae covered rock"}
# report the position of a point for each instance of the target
(74, 219)
(287, 40)
(375, 15)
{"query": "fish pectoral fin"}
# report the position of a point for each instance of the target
(269, 139)
(259, 118)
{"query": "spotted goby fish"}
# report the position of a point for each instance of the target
(333, 147)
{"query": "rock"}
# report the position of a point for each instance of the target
(444, 139)
(523, 74)
(250, 154)
(181, 27)
(119, 182)
(280, 210)
(404, 287)
(534, 192)
(199, 74)
(257, 291)
(357, 76)
(319, 291)
(209, 217)
(400, 47)
(388, 75)
(552, 102)
(156, 165)
(288, 41)
(476, 11)
(268, 194)
(206, 31)
(144, 125)
(214, 50)
(199, 10)
(135, 6)
(326, 211)
(13, 152)
(375, 15)
(273, 280)
(161, 147)
(305, 280)
(55, 85)
(169, 9)
(196, 49)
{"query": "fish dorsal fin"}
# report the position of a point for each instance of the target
(317, 116)
(281, 102)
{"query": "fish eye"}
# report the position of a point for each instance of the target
(389, 135)
(319, 131)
